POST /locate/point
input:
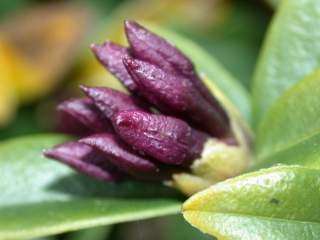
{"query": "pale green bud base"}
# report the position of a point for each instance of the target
(218, 161)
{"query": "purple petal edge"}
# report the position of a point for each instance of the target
(110, 55)
(110, 101)
(79, 116)
(122, 157)
(84, 159)
(152, 48)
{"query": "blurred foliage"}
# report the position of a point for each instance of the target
(9, 6)
(273, 3)
(26, 122)
(39, 46)
(7, 91)
(45, 238)
(95, 233)
(236, 41)
(165, 228)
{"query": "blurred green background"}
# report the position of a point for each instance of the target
(44, 55)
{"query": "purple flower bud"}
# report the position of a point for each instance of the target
(167, 139)
(121, 156)
(80, 116)
(68, 125)
(111, 55)
(110, 101)
(176, 94)
(85, 159)
(150, 47)
(141, 144)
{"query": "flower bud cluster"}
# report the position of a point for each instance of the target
(160, 131)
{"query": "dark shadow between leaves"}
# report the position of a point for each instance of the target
(85, 187)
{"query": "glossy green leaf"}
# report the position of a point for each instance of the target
(290, 132)
(210, 67)
(276, 203)
(290, 52)
(41, 197)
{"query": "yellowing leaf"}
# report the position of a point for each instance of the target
(275, 203)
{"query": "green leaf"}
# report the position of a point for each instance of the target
(290, 132)
(211, 68)
(42, 197)
(290, 52)
(275, 203)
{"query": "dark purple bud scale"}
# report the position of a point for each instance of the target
(84, 159)
(176, 95)
(167, 139)
(110, 55)
(69, 125)
(80, 116)
(121, 137)
(151, 48)
(121, 156)
(111, 101)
